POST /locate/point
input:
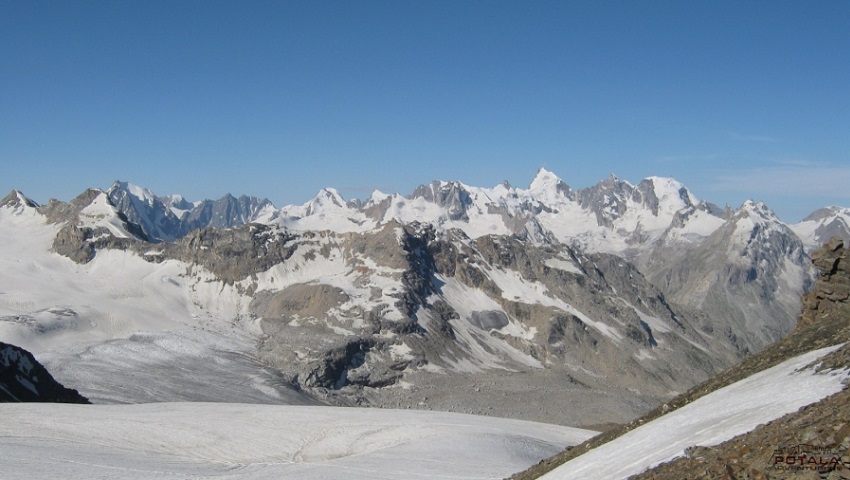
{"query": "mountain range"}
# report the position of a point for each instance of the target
(603, 301)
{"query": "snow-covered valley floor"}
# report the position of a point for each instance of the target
(242, 441)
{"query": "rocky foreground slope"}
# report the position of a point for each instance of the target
(819, 431)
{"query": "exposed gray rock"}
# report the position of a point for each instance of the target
(225, 212)
(73, 242)
(157, 218)
(80, 243)
(235, 253)
(449, 195)
(16, 199)
(489, 319)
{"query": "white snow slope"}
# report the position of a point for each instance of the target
(240, 441)
(713, 419)
(121, 329)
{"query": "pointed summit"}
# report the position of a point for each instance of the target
(141, 194)
(332, 195)
(545, 180)
(16, 199)
(758, 212)
(378, 197)
(327, 199)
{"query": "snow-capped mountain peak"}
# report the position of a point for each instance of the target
(178, 205)
(543, 178)
(546, 183)
(751, 220)
(141, 194)
(327, 197)
(822, 225)
(101, 213)
(759, 212)
(828, 212)
(17, 201)
(328, 210)
(377, 196)
(142, 207)
(671, 192)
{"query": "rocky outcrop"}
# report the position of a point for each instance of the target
(388, 308)
(830, 297)
(231, 254)
(83, 234)
(451, 196)
(73, 242)
(23, 379)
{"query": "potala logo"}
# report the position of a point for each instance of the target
(807, 457)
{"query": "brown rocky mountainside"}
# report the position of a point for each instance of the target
(822, 428)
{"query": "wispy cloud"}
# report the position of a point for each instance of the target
(788, 178)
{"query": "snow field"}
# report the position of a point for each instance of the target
(466, 301)
(121, 329)
(239, 441)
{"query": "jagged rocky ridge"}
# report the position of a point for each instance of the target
(170, 218)
(635, 290)
(24, 379)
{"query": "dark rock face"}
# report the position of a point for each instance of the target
(225, 212)
(159, 222)
(451, 196)
(23, 379)
(72, 242)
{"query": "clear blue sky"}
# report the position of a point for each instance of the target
(278, 99)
